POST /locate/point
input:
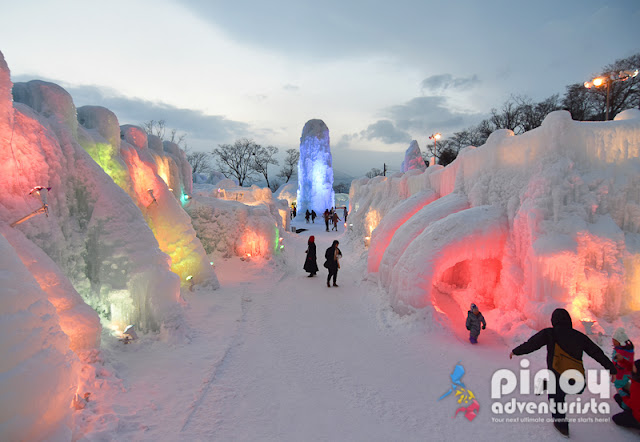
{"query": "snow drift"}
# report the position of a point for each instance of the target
(241, 221)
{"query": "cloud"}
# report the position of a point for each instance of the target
(385, 131)
(290, 87)
(413, 120)
(423, 113)
(203, 131)
(442, 82)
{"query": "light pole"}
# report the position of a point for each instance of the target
(435, 137)
(606, 80)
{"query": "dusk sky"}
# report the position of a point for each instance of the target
(378, 74)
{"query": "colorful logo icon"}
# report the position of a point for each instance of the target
(464, 396)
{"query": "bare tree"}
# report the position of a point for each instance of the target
(532, 114)
(200, 162)
(374, 172)
(509, 117)
(290, 166)
(178, 139)
(236, 160)
(262, 157)
(578, 101)
(341, 188)
(623, 94)
(440, 150)
(153, 127)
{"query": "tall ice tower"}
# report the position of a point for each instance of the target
(315, 172)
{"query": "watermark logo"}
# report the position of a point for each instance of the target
(504, 383)
(465, 397)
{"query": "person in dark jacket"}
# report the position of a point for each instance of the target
(332, 263)
(313, 216)
(630, 417)
(311, 263)
(335, 218)
(327, 217)
(474, 319)
(307, 215)
(573, 343)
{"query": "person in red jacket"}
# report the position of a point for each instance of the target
(623, 356)
(631, 418)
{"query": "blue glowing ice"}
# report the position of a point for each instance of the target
(315, 171)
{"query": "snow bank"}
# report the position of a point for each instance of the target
(384, 232)
(39, 371)
(239, 221)
(565, 215)
(287, 191)
(371, 199)
(210, 178)
(77, 320)
(408, 231)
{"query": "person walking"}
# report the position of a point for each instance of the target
(295, 211)
(313, 216)
(344, 214)
(307, 215)
(474, 319)
(335, 221)
(332, 263)
(311, 263)
(326, 216)
(565, 346)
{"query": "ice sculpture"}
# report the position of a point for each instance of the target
(315, 171)
(39, 371)
(522, 225)
(413, 158)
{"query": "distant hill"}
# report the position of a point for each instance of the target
(342, 177)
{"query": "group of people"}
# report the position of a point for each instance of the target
(331, 216)
(310, 215)
(565, 347)
(332, 260)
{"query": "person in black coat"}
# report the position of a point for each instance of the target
(332, 263)
(327, 217)
(311, 263)
(573, 343)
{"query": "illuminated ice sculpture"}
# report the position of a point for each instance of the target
(315, 172)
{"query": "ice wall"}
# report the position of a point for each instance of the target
(315, 171)
(413, 158)
(97, 235)
(146, 177)
(367, 208)
(39, 371)
(287, 191)
(565, 231)
(239, 221)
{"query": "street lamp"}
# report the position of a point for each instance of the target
(435, 137)
(607, 79)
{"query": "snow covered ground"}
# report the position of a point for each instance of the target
(275, 355)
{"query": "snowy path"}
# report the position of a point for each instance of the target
(277, 356)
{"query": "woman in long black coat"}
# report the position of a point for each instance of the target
(311, 264)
